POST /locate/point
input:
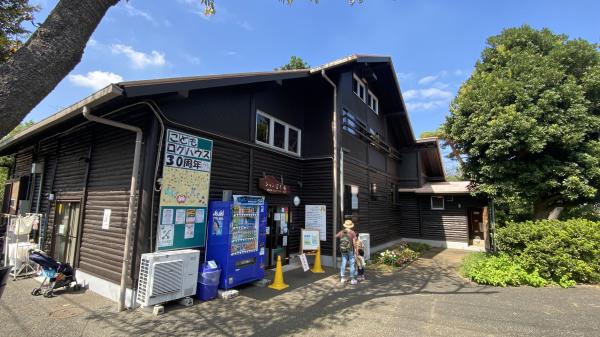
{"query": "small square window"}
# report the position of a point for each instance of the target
(437, 203)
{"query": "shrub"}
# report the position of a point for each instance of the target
(397, 256)
(564, 252)
(498, 270)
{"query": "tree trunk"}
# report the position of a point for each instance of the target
(546, 209)
(51, 52)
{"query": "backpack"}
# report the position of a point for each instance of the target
(345, 243)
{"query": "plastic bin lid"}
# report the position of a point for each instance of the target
(209, 266)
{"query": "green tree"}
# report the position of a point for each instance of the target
(12, 15)
(52, 51)
(7, 162)
(527, 122)
(295, 63)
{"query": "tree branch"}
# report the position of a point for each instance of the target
(53, 50)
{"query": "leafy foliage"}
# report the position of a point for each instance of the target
(12, 14)
(561, 251)
(499, 270)
(6, 162)
(295, 63)
(527, 121)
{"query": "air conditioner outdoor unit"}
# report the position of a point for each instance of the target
(167, 276)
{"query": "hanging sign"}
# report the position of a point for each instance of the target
(304, 262)
(271, 185)
(315, 217)
(184, 193)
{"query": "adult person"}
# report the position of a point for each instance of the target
(347, 237)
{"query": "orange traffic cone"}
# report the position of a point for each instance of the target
(317, 267)
(278, 283)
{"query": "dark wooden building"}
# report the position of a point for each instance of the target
(337, 135)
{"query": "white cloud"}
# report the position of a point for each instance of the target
(458, 72)
(95, 79)
(91, 43)
(231, 53)
(428, 79)
(403, 76)
(435, 93)
(132, 11)
(420, 106)
(428, 93)
(140, 60)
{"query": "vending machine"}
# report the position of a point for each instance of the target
(236, 239)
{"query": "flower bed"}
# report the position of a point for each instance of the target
(397, 256)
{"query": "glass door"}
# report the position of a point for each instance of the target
(66, 222)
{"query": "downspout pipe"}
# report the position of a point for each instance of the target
(336, 163)
(132, 193)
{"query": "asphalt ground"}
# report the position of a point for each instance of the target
(426, 298)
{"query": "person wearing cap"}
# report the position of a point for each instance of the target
(347, 237)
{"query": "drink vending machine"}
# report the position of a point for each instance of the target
(236, 239)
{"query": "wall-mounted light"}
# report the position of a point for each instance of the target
(373, 191)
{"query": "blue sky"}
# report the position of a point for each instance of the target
(434, 44)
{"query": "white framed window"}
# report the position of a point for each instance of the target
(276, 134)
(359, 88)
(437, 203)
(373, 102)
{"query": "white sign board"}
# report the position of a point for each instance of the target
(106, 219)
(315, 217)
(304, 262)
(310, 239)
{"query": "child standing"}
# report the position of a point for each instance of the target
(360, 259)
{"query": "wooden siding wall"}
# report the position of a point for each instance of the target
(109, 180)
(317, 189)
(450, 224)
(377, 216)
(238, 167)
(91, 164)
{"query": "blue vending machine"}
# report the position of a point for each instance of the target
(236, 239)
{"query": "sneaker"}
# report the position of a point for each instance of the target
(353, 281)
(342, 280)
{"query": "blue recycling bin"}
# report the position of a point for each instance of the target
(208, 282)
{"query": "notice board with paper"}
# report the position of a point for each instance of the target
(315, 217)
(184, 193)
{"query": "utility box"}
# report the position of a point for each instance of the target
(167, 276)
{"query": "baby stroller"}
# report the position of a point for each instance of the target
(56, 274)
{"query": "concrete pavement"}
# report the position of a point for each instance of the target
(426, 298)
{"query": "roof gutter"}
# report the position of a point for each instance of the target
(132, 194)
(336, 164)
(101, 96)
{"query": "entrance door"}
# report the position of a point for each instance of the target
(475, 224)
(277, 234)
(66, 222)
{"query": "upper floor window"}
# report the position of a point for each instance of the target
(358, 87)
(276, 134)
(373, 102)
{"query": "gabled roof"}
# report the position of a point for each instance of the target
(132, 89)
(431, 157)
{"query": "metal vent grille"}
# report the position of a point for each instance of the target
(143, 281)
(168, 277)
